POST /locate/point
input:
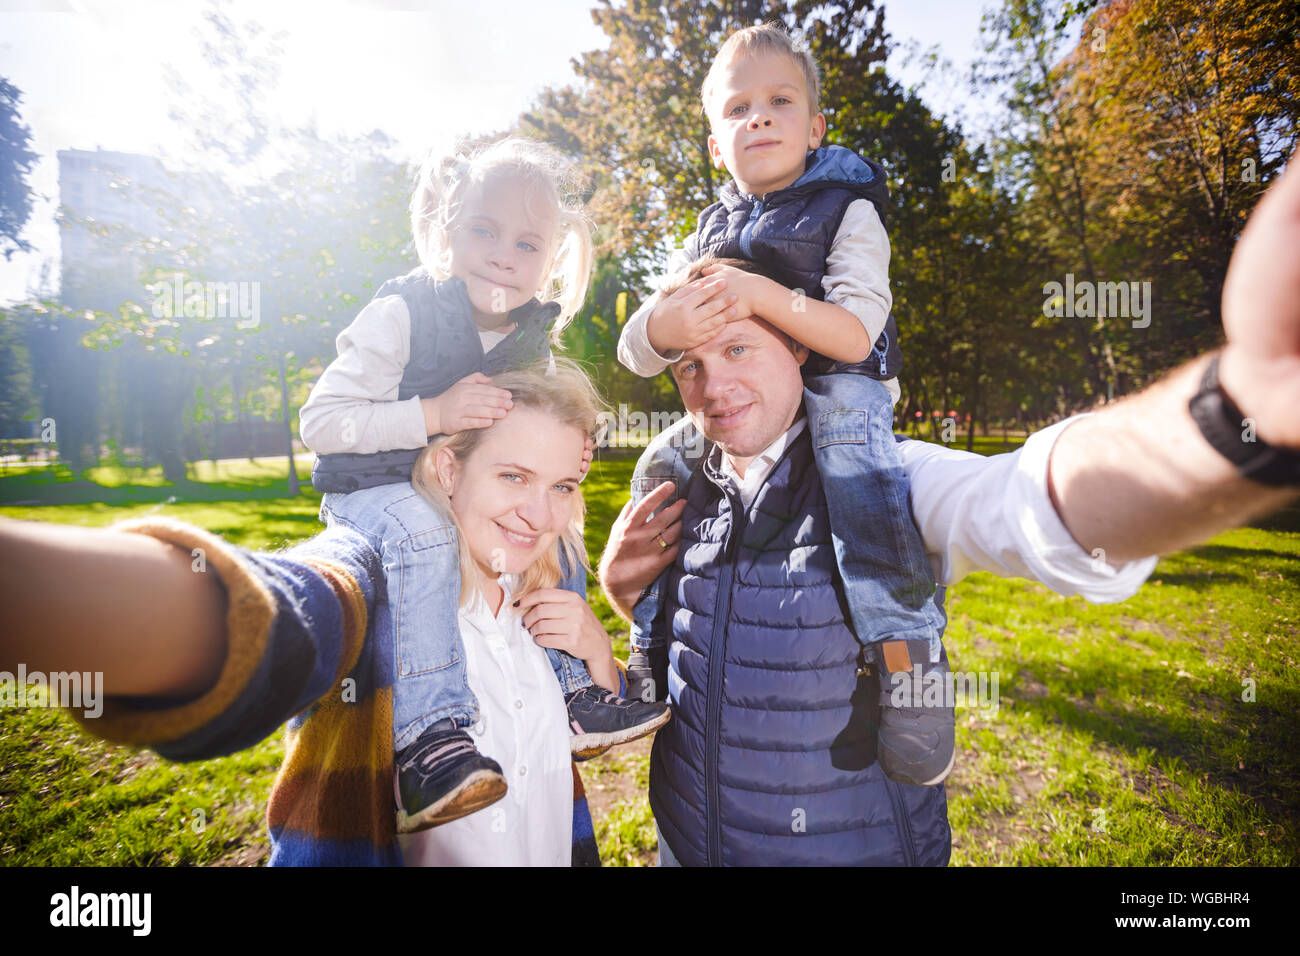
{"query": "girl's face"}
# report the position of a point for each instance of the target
(501, 248)
(516, 491)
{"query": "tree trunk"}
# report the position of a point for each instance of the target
(977, 397)
(294, 487)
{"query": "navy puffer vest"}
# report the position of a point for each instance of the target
(445, 347)
(770, 756)
(790, 232)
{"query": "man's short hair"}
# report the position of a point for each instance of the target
(765, 38)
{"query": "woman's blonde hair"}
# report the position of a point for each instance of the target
(551, 184)
(567, 395)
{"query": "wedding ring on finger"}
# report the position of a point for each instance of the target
(663, 545)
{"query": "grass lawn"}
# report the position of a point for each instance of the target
(1122, 736)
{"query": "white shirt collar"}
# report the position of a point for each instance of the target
(758, 469)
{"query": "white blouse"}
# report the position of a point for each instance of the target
(523, 726)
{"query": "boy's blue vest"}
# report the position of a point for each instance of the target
(790, 232)
(770, 758)
(445, 347)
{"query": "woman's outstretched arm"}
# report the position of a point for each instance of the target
(205, 648)
(146, 614)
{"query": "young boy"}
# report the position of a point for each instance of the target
(814, 217)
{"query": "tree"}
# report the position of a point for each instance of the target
(1047, 153)
(1198, 106)
(1136, 153)
(16, 162)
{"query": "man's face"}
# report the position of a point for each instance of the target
(743, 387)
(762, 122)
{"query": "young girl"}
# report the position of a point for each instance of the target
(506, 258)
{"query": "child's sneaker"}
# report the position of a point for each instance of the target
(915, 743)
(441, 777)
(600, 719)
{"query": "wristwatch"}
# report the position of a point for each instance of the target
(1225, 428)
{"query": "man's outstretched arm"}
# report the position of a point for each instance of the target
(1139, 478)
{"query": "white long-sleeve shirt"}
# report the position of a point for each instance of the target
(353, 407)
(978, 513)
(523, 726)
(856, 279)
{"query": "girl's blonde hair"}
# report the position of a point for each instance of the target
(567, 395)
(551, 184)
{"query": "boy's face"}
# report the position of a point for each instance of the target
(762, 122)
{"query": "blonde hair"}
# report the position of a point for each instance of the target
(550, 182)
(765, 38)
(567, 395)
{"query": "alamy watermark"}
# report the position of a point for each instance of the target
(129, 910)
(977, 690)
(1100, 300)
(632, 429)
(208, 300)
(69, 689)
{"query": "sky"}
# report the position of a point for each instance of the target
(92, 72)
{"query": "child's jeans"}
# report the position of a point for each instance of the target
(888, 581)
(421, 556)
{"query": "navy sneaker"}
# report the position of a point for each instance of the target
(915, 744)
(441, 777)
(600, 719)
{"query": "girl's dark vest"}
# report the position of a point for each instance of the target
(790, 232)
(770, 758)
(445, 347)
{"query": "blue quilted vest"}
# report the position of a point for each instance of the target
(770, 756)
(790, 232)
(445, 347)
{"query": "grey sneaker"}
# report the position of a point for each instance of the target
(915, 745)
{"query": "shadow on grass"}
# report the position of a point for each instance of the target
(1287, 520)
(1246, 747)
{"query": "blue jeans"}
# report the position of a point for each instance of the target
(666, 855)
(887, 578)
(421, 555)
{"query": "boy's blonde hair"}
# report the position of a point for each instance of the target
(765, 38)
(447, 180)
(567, 395)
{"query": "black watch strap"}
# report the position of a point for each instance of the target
(1226, 429)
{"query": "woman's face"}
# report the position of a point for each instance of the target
(516, 491)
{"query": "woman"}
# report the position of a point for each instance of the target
(206, 649)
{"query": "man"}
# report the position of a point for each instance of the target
(769, 759)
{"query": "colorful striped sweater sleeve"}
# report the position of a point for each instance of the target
(299, 650)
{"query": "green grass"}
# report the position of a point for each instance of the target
(1121, 739)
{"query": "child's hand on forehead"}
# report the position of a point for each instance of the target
(742, 288)
(473, 402)
(692, 315)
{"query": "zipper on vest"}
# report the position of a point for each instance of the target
(713, 717)
(901, 822)
(748, 228)
(882, 351)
